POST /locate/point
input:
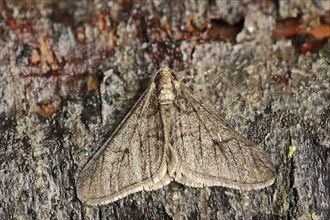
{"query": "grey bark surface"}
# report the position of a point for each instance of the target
(71, 71)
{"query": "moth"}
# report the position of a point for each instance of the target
(170, 135)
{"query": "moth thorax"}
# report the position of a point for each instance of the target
(165, 89)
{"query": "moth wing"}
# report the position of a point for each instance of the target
(211, 153)
(131, 160)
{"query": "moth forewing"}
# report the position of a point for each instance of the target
(211, 153)
(131, 160)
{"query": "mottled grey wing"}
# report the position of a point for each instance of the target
(211, 153)
(133, 159)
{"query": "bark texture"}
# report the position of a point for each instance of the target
(70, 71)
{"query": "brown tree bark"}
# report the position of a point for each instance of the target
(71, 70)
